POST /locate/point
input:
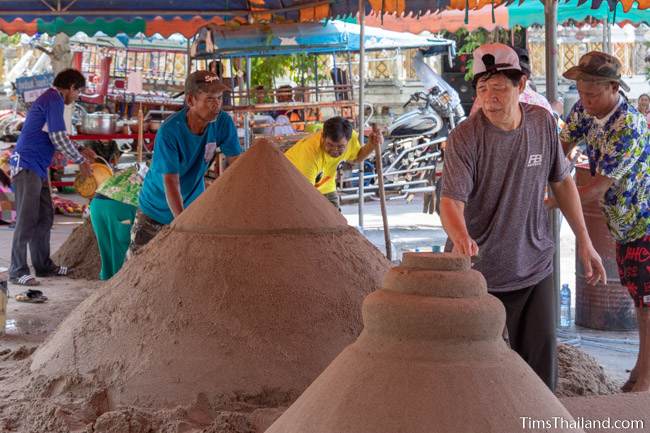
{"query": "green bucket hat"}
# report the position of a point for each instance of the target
(597, 66)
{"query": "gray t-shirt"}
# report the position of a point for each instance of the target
(501, 177)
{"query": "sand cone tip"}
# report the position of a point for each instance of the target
(439, 275)
(261, 192)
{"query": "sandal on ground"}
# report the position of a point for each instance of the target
(59, 271)
(25, 280)
(31, 296)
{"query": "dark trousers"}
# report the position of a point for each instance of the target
(530, 319)
(143, 231)
(34, 219)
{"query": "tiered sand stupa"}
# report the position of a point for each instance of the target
(249, 295)
(431, 359)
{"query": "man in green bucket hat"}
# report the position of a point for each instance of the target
(618, 146)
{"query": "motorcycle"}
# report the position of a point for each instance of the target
(413, 143)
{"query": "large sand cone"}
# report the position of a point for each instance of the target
(250, 294)
(431, 359)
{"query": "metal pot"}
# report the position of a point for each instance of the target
(99, 123)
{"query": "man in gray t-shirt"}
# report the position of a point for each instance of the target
(497, 166)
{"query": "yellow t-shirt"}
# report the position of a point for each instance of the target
(311, 160)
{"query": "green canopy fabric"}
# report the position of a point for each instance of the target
(531, 13)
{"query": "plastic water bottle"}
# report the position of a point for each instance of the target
(565, 306)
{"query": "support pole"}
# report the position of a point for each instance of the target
(247, 126)
(550, 18)
(316, 78)
(350, 81)
(550, 27)
(362, 67)
(188, 63)
(139, 157)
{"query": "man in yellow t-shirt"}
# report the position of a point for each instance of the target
(318, 156)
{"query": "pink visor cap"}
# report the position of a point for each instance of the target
(493, 58)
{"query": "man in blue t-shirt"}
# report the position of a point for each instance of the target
(185, 146)
(43, 133)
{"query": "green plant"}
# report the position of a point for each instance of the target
(468, 42)
(264, 70)
(298, 67)
(6, 39)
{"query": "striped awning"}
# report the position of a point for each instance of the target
(421, 7)
(508, 16)
(164, 17)
(167, 17)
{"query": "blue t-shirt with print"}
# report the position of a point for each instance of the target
(178, 151)
(34, 150)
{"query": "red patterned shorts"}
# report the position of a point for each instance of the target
(633, 259)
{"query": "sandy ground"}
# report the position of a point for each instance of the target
(410, 229)
(28, 325)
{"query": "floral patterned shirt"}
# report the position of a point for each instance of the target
(123, 186)
(619, 150)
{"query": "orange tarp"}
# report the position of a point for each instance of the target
(18, 26)
(400, 6)
(450, 20)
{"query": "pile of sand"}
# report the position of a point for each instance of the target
(80, 253)
(580, 374)
(239, 305)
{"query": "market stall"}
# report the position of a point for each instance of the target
(331, 38)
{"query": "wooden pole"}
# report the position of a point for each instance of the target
(550, 24)
(140, 133)
(362, 65)
(382, 194)
(550, 27)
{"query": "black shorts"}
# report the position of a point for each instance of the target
(633, 259)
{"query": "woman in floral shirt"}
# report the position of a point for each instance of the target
(618, 146)
(112, 211)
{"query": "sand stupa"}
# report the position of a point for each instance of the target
(248, 295)
(431, 359)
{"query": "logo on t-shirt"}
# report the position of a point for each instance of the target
(534, 161)
(210, 150)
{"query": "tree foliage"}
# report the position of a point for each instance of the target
(300, 68)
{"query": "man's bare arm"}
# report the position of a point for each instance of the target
(173, 193)
(452, 214)
(566, 195)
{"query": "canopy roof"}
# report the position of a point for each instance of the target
(166, 17)
(289, 10)
(317, 38)
(420, 7)
(151, 17)
(526, 14)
